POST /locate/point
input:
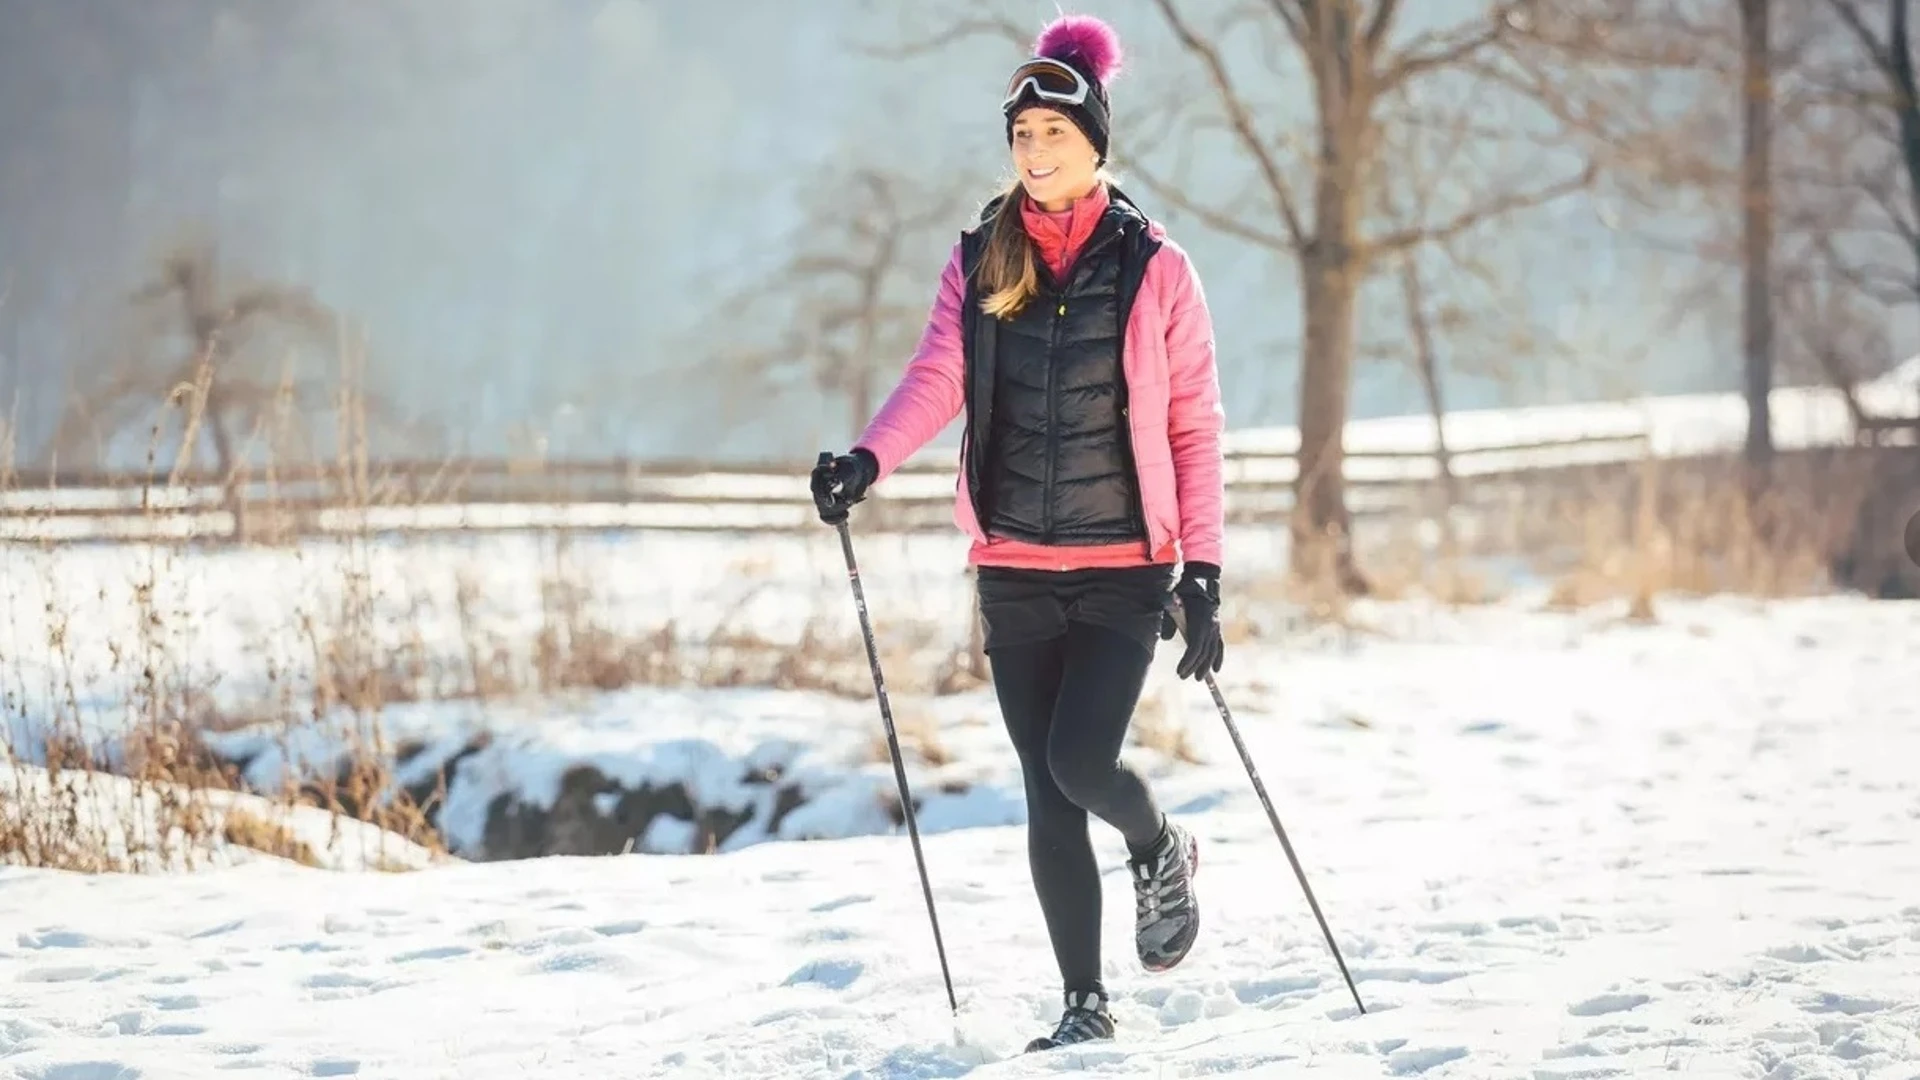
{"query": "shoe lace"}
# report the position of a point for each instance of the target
(1077, 1023)
(1154, 883)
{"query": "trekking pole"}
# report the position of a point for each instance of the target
(1260, 789)
(893, 746)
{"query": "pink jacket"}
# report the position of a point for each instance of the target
(1174, 410)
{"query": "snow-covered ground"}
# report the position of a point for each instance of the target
(97, 820)
(1551, 846)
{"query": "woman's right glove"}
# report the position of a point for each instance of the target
(839, 482)
(1198, 594)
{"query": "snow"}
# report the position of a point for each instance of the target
(1550, 846)
(138, 826)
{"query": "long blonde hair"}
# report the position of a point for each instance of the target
(1009, 272)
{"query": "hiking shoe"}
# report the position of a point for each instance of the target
(1086, 1019)
(1166, 912)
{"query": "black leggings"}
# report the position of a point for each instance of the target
(1067, 699)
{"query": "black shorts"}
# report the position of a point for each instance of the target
(1020, 607)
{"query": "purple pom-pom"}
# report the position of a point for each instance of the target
(1084, 39)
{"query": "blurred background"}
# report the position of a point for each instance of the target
(1605, 297)
(406, 409)
(618, 226)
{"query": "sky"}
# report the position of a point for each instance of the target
(543, 216)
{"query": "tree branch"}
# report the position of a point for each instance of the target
(1213, 218)
(1380, 24)
(960, 30)
(1880, 54)
(1291, 19)
(1432, 51)
(1240, 118)
(1474, 216)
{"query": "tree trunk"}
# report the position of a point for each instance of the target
(1757, 234)
(1906, 106)
(1427, 361)
(1331, 272)
(1322, 524)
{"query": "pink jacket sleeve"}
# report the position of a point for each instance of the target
(931, 392)
(1195, 417)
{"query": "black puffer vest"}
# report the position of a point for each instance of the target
(1046, 394)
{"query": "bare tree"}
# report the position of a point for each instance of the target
(1756, 201)
(848, 303)
(203, 358)
(1315, 188)
(1829, 198)
(1882, 91)
(1458, 312)
(1725, 65)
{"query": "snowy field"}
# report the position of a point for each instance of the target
(1551, 846)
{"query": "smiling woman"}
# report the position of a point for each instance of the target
(1075, 337)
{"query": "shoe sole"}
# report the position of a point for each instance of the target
(1043, 1044)
(1168, 963)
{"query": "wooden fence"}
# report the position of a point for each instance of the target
(497, 494)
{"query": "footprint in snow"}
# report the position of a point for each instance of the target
(831, 974)
(1846, 1004)
(179, 1029)
(217, 931)
(1259, 991)
(1578, 1068)
(1799, 954)
(1415, 1062)
(75, 973)
(84, 1070)
(55, 939)
(1427, 976)
(437, 952)
(1608, 1003)
(836, 905)
(335, 980)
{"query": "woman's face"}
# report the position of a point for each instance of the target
(1057, 163)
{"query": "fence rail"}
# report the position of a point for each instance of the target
(504, 494)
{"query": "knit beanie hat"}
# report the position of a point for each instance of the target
(1071, 45)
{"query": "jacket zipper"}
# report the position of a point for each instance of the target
(1053, 423)
(1080, 261)
(1133, 466)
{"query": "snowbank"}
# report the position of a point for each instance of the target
(669, 771)
(94, 820)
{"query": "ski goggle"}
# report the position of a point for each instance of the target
(1048, 81)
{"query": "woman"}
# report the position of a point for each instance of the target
(1075, 338)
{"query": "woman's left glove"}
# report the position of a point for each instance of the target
(1198, 594)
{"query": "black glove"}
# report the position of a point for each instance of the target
(1198, 594)
(839, 482)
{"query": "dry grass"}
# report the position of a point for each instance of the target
(242, 828)
(919, 735)
(1696, 529)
